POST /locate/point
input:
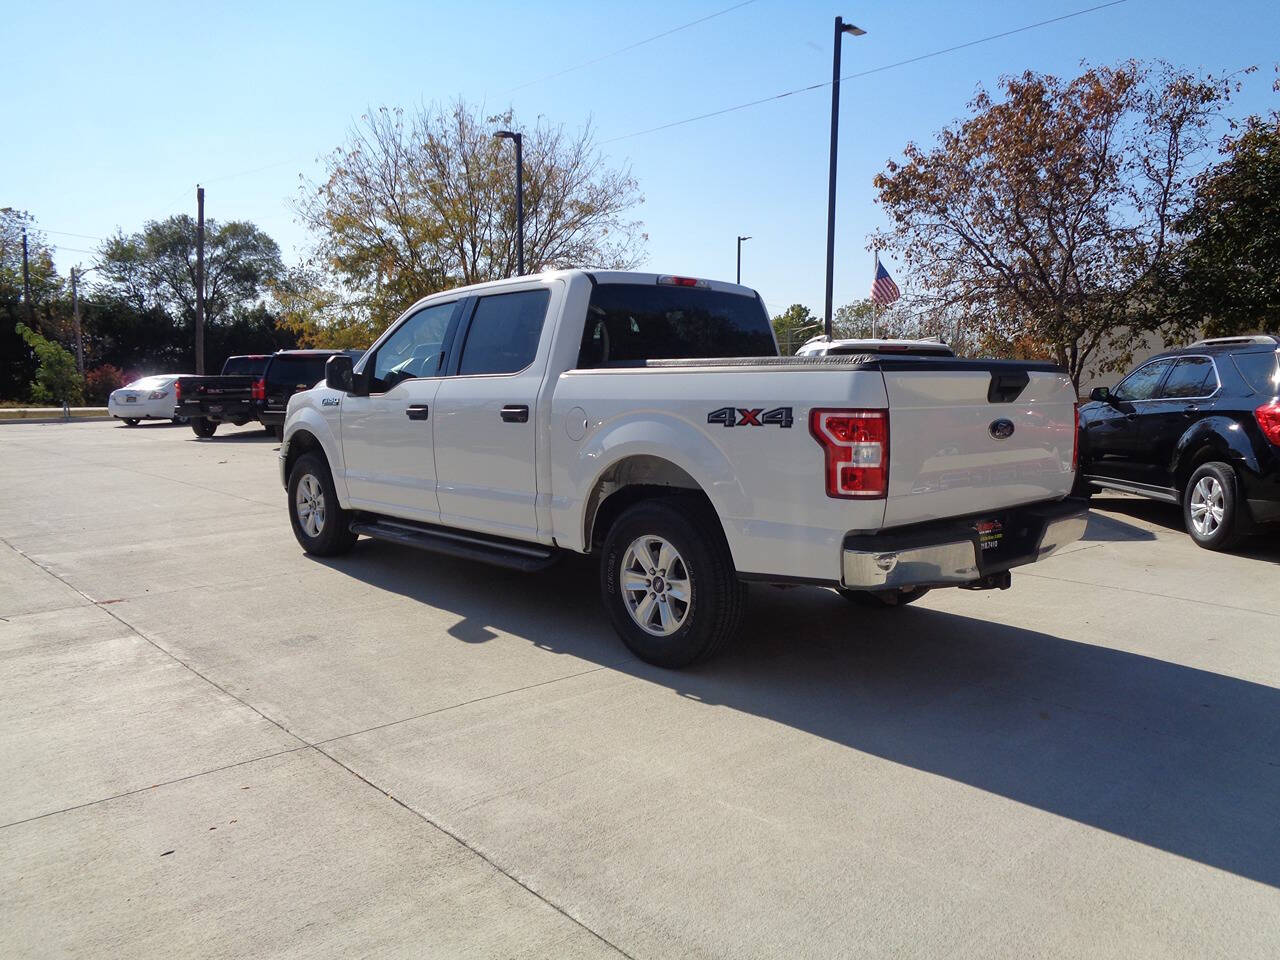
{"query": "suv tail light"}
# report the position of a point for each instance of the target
(1075, 442)
(177, 391)
(1268, 417)
(856, 446)
(259, 389)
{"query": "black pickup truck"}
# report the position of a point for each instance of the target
(227, 398)
(288, 372)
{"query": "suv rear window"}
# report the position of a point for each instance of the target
(628, 323)
(297, 371)
(244, 366)
(1259, 371)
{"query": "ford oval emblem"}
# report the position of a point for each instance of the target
(1001, 429)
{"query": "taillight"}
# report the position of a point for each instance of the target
(1075, 442)
(177, 391)
(856, 446)
(1268, 417)
(259, 390)
(158, 394)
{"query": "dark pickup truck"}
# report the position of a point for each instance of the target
(227, 398)
(289, 372)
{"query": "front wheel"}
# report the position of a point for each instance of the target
(204, 427)
(882, 598)
(131, 421)
(1211, 507)
(320, 525)
(668, 582)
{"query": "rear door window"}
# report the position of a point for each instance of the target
(629, 323)
(1142, 383)
(1259, 371)
(1190, 377)
(504, 332)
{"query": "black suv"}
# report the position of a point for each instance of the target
(1197, 426)
(288, 372)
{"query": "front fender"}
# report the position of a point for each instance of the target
(310, 413)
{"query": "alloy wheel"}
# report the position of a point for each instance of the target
(656, 587)
(309, 501)
(1207, 507)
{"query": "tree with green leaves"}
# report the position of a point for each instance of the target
(56, 378)
(157, 267)
(1225, 279)
(793, 327)
(17, 362)
(417, 202)
(1044, 217)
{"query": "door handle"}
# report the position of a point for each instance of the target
(515, 413)
(417, 411)
(1191, 408)
(1131, 416)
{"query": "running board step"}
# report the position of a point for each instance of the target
(514, 555)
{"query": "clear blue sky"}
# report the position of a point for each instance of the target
(115, 112)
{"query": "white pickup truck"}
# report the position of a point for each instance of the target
(650, 420)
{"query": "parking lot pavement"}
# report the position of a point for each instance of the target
(211, 745)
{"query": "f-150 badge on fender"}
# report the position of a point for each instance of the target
(748, 417)
(329, 401)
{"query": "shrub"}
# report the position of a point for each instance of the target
(56, 378)
(100, 381)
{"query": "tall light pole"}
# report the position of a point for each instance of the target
(199, 280)
(519, 141)
(841, 29)
(740, 239)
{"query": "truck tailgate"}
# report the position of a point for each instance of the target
(951, 450)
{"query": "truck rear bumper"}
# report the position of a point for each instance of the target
(960, 551)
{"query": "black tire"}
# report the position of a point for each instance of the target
(277, 431)
(882, 598)
(716, 598)
(178, 420)
(1215, 488)
(333, 535)
(203, 426)
(131, 421)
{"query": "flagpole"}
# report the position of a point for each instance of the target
(875, 307)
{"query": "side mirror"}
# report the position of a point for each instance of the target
(1098, 394)
(338, 373)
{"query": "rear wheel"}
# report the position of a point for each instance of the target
(320, 525)
(178, 420)
(668, 582)
(1211, 507)
(882, 598)
(131, 421)
(203, 426)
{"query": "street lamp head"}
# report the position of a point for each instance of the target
(744, 238)
(850, 29)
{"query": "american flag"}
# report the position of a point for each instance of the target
(883, 290)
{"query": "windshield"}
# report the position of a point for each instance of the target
(629, 323)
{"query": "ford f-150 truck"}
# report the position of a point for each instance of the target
(649, 419)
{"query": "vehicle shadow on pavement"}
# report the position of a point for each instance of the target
(1262, 546)
(1104, 529)
(1181, 759)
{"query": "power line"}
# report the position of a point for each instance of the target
(632, 46)
(865, 73)
(68, 233)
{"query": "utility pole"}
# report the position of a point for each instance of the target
(875, 307)
(740, 239)
(518, 139)
(75, 312)
(199, 280)
(26, 282)
(841, 29)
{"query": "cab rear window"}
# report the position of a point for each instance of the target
(297, 371)
(1260, 371)
(629, 323)
(244, 366)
